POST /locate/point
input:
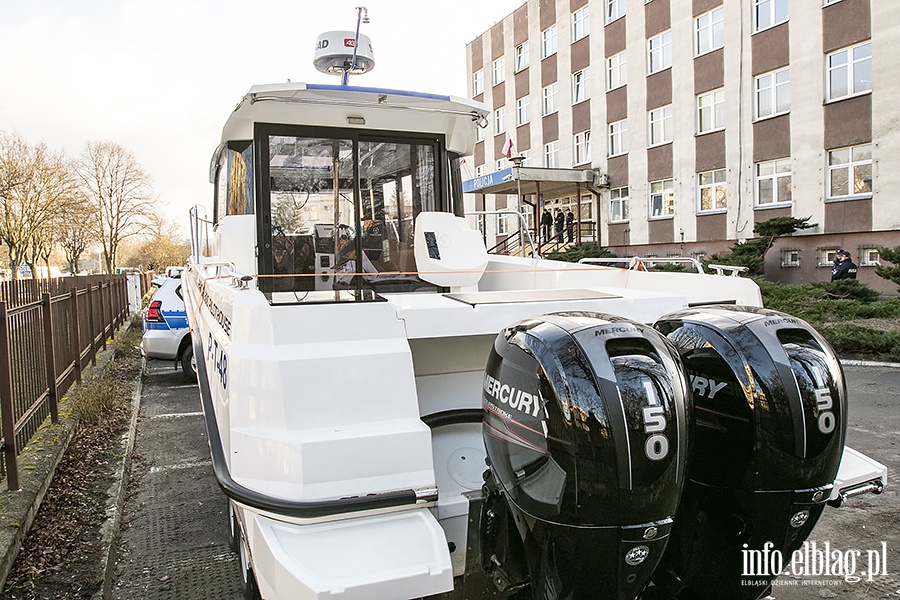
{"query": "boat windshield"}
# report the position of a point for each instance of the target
(341, 210)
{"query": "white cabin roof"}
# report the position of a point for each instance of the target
(335, 105)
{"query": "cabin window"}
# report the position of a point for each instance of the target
(234, 188)
(342, 212)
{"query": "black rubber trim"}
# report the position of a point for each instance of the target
(279, 506)
(454, 417)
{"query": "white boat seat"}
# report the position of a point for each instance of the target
(448, 252)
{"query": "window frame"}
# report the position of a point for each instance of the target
(581, 25)
(716, 18)
(772, 92)
(498, 71)
(551, 151)
(850, 66)
(788, 260)
(772, 14)
(478, 82)
(500, 120)
(714, 185)
(584, 85)
(523, 110)
(549, 42)
(617, 133)
(615, 10)
(664, 50)
(666, 185)
(717, 108)
(620, 69)
(521, 57)
(667, 124)
(622, 201)
(585, 144)
(850, 169)
(775, 176)
(549, 102)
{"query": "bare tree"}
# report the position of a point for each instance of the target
(74, 233)
(119, 192)
(162, 246)
(37, 189)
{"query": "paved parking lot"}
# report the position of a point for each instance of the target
(174, 542)
(174, 538)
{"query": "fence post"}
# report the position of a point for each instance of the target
(76, 332)
(53, 389)
(102, 313)
(6, 404)
(93, 330)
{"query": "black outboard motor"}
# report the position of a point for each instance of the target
(585, 425)
(770, 419)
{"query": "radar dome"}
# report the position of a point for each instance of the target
(334, 53)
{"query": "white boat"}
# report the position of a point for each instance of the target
(356, 346)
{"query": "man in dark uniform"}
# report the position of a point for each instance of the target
(546, 225)
(560, 225)
(844, 268)
(570, 225)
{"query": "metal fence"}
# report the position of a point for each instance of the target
(49, 330)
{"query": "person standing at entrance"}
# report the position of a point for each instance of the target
(560, 224)
(546, 225)
(570, 225)
(843, 268)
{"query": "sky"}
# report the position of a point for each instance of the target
(160, 78)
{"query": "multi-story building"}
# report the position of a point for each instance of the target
(706, 117)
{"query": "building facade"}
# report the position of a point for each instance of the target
(707, 117)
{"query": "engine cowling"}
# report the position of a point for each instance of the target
(769, 425)
(585, 426)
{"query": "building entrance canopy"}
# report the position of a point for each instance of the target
(534, 180)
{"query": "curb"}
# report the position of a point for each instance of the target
(870, 363)
(115, 504)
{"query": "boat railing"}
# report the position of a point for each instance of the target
(199, 225)
(733, 270)
(639, 263)
(524, 233)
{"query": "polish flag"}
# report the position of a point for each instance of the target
(507, 147)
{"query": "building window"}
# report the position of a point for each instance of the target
(618, 137)
(790, 258)
(524, 155)
(659, 52)
(522, 106)
(502, 224)
(581, 86)
(616, 71)
(581, 23)
(772, 183)
(614, 10)
(768, 13)
(499, 72)
(850, 172)
(500, 120)
(660, 125)
(478, 82)
(551, 154)
(618, 205)
(548, 41)
(711, 192)
(548, 100)
(869, 257)
(582, 147)
(827, 256)
(479, 134)
(499, 164)
(709, 31)
(662, 198)
(521, 56)
(527, 217)
(849, 71)
(773, 94)
(479, 170)
(711, 111)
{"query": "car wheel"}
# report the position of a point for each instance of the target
(189, 363)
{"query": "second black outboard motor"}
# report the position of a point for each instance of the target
(585, 425)
(770, 411)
